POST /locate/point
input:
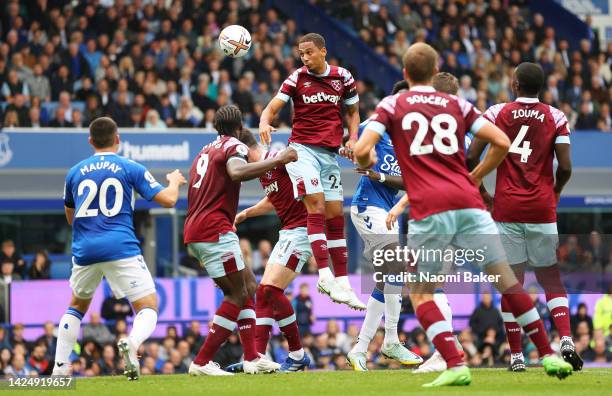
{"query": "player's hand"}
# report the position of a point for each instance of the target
(240, 217)
(394, 213)
(369, 173)
(265, 131)
(348, 149)
(287, 155)
(488, 200)
(475, 180)
(557, 197)
(176, 177)
(373, 158)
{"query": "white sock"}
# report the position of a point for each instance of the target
(343, 281)
(144, 324)
(442, 302)
(325, 273)
(67, 334)
(393, 306)
(374, 313)
(297, 355)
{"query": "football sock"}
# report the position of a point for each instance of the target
(439, 332)
(285, 317)
(374, 313)
(528, 318)
(315, 226)
(144, 325)
(246, 330)
(223, 325)
(513, 330)
(67, 335)
(441, 301)
(264, 321)
(337, 247)
(556, 298)
(393, 306)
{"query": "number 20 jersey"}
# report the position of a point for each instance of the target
(524, 185)
(428, 130)
(102, 189)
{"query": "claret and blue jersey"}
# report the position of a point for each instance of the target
(373, 193)
(102, 190)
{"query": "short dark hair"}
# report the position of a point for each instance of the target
(228, 120)
(420, 62)
(315, 38)
(102, 131)
(530, 77)
(398, 86)
(247, 138)
(446, 82)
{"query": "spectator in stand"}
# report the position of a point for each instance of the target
(602, 319)
(97, 331)
(60, 120)
(114, 309)
(9, 252)
(41, 266)
(39, 84)
(13, 86)
(486, 317)
(19, 367)
(108, 363)
(302, 305)
(570, 254)
(581, 316)
(48, 339)
(39, 360)
(153, 121)
(34, 120)
(119, 110)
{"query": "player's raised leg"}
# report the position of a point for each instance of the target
(68, 333)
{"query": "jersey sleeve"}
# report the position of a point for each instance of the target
(472, 116)
(562, 129)
(493, 111)
(288, 87)
(380, 121)
(68, 197)
(144, 182)
(234, 149)
(350, 96)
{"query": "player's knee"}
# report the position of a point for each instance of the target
(251, 287)
(239, 296)
(315, 203)
(80, 304)
(419, 298)
(149, 301)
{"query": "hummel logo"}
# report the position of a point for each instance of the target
(60, 364)
(368, 222)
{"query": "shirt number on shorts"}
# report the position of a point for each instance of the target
(201, 167)
(444, 127)
(92, 191)
(524, 150)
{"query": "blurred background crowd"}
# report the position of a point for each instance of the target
(156, 64)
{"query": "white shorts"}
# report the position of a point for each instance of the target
(533, 243)
(219, 258)
(315, 171)
(127, 277)
(372, 228)
(292, 249)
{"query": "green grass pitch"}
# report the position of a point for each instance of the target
(497, 382)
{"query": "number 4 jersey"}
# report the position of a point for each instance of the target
(212, 198)
(428, 130)
(524, 187)
(102, 189)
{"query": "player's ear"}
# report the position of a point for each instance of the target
(90, 141)
(324, 51)
(117, 139)
(405, 74)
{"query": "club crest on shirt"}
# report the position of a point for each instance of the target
(314, 181)
(307, 84)
(336, 84)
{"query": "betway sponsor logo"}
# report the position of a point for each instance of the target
(321, 97)
(155, 152)
(271, 188)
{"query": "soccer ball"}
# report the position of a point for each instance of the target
(235, 41)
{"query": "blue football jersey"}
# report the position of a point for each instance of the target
(373, 193)
(102, 190)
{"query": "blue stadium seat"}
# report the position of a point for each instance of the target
(61, 269)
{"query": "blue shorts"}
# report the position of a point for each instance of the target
(219, 258)
(292, 249)
(471, 233)
(533, 243)
(315, 171)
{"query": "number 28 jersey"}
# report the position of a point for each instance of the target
(524, 185)
(102, 190)
(428, 130)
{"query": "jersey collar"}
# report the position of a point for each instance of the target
(523, 99)
(423, 88)
(325, 73)
(105, 153)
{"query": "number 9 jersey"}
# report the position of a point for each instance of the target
(428, 131)
(102, 190)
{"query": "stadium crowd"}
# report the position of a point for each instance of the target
(157, 64)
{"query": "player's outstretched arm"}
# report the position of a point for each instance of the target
(364, 153)
(564, 169)
(388, 180)
(260, 208)
(500, 144)
(169, 195)
(242, 171)
(267, 116)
